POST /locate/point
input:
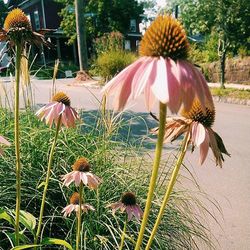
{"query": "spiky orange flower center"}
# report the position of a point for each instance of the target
(17, 19)
(61, 97)
(196, 114)
(81, 165)
(128, 199)
(165, 37)
(75, 198)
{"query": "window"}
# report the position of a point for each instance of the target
(37, 20)
(133, 25)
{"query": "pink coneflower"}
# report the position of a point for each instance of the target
(128, 204)
(4, 142)
(17, 29)
(74, 206)
(198, 124)
(59, 108)
(81, 173)
(162, 72)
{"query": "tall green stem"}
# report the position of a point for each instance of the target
(17, 140)
(47, 180)
(158, 151)
(79, 221)
(123, 234)
(169, 190)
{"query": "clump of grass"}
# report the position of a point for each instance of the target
(122, 166)
(231, 92)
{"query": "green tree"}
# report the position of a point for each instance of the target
(229, 18)
(101, 16)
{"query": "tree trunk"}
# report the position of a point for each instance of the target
(81, 34)
(222, 69)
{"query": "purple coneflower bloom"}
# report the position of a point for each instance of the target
(4, 142)
(81, 173)
(128, 204)
(17, 29)
(162, 72)
(59, 109)
(199, 126)
(74, 206)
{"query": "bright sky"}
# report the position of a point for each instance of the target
(161, 2)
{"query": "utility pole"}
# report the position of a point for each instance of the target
(81, 34)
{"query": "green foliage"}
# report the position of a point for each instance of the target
(107, 16)
(231, 93)
(114, 157)
(110, 63)
(109, 42)
(205, 52)
(230, 19)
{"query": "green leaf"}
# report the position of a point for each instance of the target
(53, 241)
(28, 220)
(5, 216)
(25, 247)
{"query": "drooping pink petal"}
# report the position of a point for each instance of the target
(143, 76)
(173, 86)
(149, 96)
(204, 147)
(115, 84)
(198, 133)
(187, 80)
(160, 85)
(129, 211)
(84, 178)
(77, 177)
(125, 91)
(4, 141)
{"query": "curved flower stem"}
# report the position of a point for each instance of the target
(51, 154)
(79, 222)
(158, 151)
(17, 141)
(123, 233)
(169, 189)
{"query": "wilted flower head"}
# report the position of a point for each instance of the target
(162, 72)
(128, 204)
(81, 173)
(17, 29)
(199, 126)
(59, 109)
(74, 205)
(4, 142)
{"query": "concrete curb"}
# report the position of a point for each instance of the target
(231, 100)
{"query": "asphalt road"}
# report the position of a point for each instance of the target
(230, 186)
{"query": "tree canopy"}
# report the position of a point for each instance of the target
(101, 16)
(230, 18)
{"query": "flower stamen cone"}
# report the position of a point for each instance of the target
(75, 198)
(197, 114)
(165, 37)
(81, 165)
(61, 97)
(17, 19)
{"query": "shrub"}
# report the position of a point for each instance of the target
(109, 42)
(110, 63)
